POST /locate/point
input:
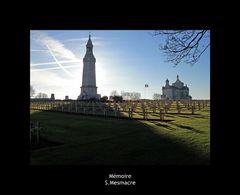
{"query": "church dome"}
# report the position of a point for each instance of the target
(178, 83)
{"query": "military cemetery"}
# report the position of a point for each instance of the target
(87, 130)
(139, 110)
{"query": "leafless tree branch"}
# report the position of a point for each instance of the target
(183, 45)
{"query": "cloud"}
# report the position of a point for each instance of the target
(56, 49)
(53, 82)
(55, 68)
(55, 45)
(60, 65)
(75, 40)
(51, 63)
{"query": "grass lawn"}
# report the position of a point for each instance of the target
(108, 141)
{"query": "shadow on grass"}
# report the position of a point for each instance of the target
(194, 116)
(105, 141)
(188, 128)
(188, 114)
(43, 143)
(171, 116)
(164, 125)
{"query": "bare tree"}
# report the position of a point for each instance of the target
(32, 91)
(125, 95)
(130, 95)
(114, 93)
(104, 98)
(184, 45)
(41, 95)
(156, 96)
(135, 96)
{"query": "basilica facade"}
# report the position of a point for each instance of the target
(176, 91)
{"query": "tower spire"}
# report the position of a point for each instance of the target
(89, 88)
(89, 43)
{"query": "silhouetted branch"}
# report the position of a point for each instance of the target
(183, 45)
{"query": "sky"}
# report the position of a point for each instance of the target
(126, 60)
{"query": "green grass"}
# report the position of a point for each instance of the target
(103, 141)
